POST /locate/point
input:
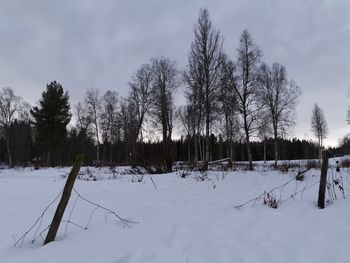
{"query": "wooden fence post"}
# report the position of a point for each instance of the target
(323, 181)
(51, 235)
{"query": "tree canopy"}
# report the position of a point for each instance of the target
(51, 118)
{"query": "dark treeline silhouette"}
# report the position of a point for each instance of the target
(26, 152)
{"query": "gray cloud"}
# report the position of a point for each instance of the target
(99, 44)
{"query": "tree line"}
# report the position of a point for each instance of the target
(238, 108)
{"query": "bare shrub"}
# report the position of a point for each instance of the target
(183, 173)
(345, 163)
(313, 164)
(286, 166)
(202, 176)
(137, 178)
(270, 200)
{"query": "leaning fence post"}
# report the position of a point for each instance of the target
(51, 235)
(323, 181)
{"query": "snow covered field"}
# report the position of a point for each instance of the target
(185, 220)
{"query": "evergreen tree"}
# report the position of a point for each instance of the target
(51, 118)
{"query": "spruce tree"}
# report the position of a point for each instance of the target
(51, 118)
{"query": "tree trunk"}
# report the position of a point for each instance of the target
(165, 147)
(188, 148)
(169, 163)
(264, 149)
(232, 153)
(246, 130)
(51, 235)
(195, 147)
(276, 148)
(323, 181)
(98, 152)
(229, 151)
(200, 147)
(250, 160)
(48, 157)
(8, 148)
(249, 156)
(206, 153)
(111, 154)
(133, 154)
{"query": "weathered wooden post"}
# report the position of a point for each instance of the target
(323, 181)
(51, 235)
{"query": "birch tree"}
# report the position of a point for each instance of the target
(164, 83)
(109, 120)
(319, 126)
(185, 116)
(248, 60)
(139, 104)
(228, 104)
(93, 103)
(203, 73)
(278, 96)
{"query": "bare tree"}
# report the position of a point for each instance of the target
(93, 104)
(138, 104)
(319, 126)
(202, 74)
(264, 129)
(248, 60)
(83, 118)
(128, 126)
(194, 96)
(185, 116)
(24, 111)
(109, 119)
(164, 83)
(10, 109)
(278, 96)
(228, 104)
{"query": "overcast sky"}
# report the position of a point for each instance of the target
(84, 44)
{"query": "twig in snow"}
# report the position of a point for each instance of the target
(154, 184)
(124, 221)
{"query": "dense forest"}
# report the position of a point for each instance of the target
(240, 109)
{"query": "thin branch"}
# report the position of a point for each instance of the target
(39, 220)
(125, 221)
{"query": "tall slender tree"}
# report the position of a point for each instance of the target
(249, 55)
(185, 117)
(203, 72)
(93, 105)
(110, 120)
(228, 104)
(319, 126)
(137, 106)
(51, 118)
(164, 83)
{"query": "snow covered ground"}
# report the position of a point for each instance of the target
(185, 220)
